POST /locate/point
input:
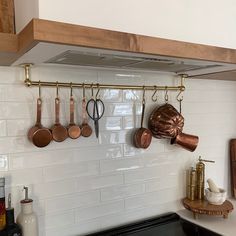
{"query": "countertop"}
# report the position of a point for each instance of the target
(226, 227)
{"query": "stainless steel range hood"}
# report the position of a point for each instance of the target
(121, 61)
(82, 56)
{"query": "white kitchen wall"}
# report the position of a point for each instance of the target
(203, 21)
(88, 184)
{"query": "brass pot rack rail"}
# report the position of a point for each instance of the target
(29, 83)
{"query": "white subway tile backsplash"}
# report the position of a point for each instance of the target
(54, 189)
(124, 191)
(88, 184)
(111, 95)
(98, 211)
(83, 228)
(110, 123)
(159, 197)
(150, 173)
(72, 201)
(3, 162)
(21, 177)
(120, 165)
(162, 183)
(71, 170)
(112, 137)
(96, 182)
(60, 220)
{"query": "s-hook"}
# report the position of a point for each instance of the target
(180, 99)
(166, 95)
(154, 99)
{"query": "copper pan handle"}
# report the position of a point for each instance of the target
(84, 114)
(57, 110)
(39, 109)
(142, 117)
(72, 107)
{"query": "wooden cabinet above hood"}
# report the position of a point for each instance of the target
(43, 41)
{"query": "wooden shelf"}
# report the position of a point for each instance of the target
(12, 47)
(204, 207)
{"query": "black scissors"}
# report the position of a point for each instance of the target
(97, 107)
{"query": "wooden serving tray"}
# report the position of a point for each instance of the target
(204, 207)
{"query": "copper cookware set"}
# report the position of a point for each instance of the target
(165, 122)
(41, 136)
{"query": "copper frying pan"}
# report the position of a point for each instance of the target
(86, 129)
(73, 129)
(37, 134)
(59, 132)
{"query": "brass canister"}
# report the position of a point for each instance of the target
(200, 171)
(191, 184)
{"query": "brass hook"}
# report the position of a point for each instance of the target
(57, 90)
(71, 88)
(166, 95)
(178, 98)
(39, 89)
(154, 99)
(96, 96)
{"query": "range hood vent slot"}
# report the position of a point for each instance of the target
(72, 57)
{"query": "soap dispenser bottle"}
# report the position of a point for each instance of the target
(27, 219)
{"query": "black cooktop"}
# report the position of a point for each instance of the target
(165, 225)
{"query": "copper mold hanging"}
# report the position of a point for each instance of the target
(165, 122)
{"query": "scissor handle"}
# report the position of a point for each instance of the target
(95, 116)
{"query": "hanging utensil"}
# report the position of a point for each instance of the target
(59, 132)
(98, 109)
(142, 137)
(165, 122)
(73, 129)
(86, 129)
(37, 134)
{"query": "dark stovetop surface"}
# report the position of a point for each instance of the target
(164, 225)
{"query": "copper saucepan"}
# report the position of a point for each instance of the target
(86, 129)
(59, 132)
(37, 134)
(73, 129)
(142, 137)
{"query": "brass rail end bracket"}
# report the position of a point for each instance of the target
(27, 67)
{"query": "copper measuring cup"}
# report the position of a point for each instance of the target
(59, 132)
(37, 134)
(86, 129)
(73, 129)
(142, 137)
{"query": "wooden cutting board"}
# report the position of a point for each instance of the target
(233, 166)
(7, 16)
